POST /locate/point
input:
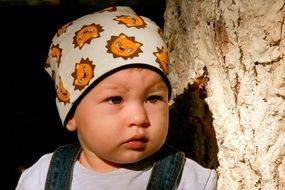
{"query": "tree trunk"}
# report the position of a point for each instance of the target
(228, 75)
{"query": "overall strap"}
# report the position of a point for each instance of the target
(59, 176)
(166, 173)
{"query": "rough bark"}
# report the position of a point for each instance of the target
(228, 73)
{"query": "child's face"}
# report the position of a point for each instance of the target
(123, 119)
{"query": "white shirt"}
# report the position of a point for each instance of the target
(194, 177)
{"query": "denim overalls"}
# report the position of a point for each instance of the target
(165, 175)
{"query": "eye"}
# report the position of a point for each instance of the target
(115, 100)
(153, 99)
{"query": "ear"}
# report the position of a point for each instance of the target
(71, 124)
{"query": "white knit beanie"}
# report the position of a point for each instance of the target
(91, 47)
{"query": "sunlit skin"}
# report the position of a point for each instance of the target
(122, 120)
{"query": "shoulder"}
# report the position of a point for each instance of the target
(197, 177)
(34, 176)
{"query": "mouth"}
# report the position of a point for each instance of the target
(137, 142)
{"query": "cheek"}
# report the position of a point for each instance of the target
(160, 122)
(98, 130)
(159, 115)
(92, 137)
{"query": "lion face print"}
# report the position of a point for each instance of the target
(47, 64)
(109, 9)
(86, 34)
(160, 32)
(62, 94)
(53, 75)
(162, 59)
(123, 46)
(131, 21)
(56, 52)
(63, 29)
(83, 73)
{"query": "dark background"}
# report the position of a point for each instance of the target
(30, 125)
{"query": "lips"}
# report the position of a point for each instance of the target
(137, 142)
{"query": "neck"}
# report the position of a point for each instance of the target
(97, 164)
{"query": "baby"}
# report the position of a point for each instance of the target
(110, 73)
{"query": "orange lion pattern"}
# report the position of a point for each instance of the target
(62, 94)
(63, 29)
(56, 52)
(160, 32)
(47, 65)
(109, 9)
(131, 21)
(123, 46)
(162, 59)
(86, 34)
(83, 74)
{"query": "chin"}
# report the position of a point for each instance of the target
(137, 156)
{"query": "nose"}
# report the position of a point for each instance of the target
(138, 116)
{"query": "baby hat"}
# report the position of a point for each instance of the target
(89, 48)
